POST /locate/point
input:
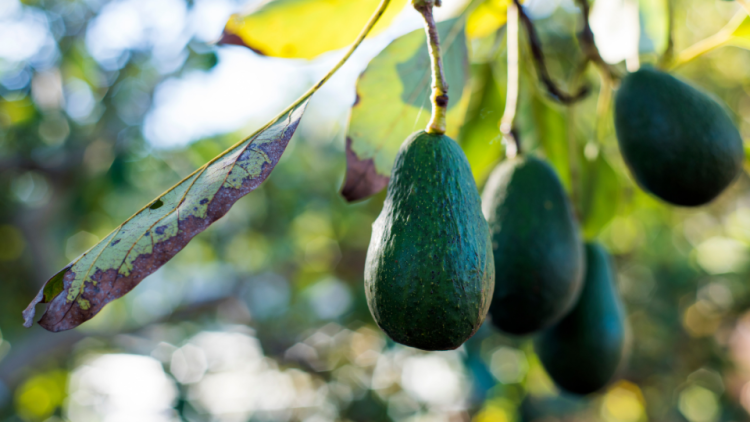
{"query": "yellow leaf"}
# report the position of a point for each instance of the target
(741, 35)
(487, 18)
(305, 28)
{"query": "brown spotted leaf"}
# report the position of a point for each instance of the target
(155, 234)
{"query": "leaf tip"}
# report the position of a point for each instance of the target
(50, 289)
(228, 38)
(362, 178)
(30, 311)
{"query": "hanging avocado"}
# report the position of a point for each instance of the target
(583, 351)
(536, 243)
(679, 143)
(430, 273)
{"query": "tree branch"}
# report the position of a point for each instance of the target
(538, 54)
(588, 45)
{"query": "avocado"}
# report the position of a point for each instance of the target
(536, 243)
(429, 272)
(583, 351)
(679, 143)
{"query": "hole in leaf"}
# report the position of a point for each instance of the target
(156, 205)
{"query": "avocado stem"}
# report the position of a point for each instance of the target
(573, 166)
(512, 146)
(439, 96)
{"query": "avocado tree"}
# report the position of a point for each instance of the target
(598, 275)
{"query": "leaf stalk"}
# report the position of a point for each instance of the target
(363, 34)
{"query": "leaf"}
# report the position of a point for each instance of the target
(393, 101)
(600, 195)
(654, 17)
(549, 127)
(304, 28)
(487, 18)
(740, 36)
(480, 135)
(156, 233)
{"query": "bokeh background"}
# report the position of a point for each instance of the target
(105, 104)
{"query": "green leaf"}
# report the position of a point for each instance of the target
(654, 18)
(304, 28)
(600, 195)
(156, 233)
(549, 127)
(480, 135)
(393, 101)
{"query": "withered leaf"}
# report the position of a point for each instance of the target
(156, 233)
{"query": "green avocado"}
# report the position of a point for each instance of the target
(536, 243)
(429, 273)
(679, 143)
(583, 351)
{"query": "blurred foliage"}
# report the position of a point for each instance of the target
(263, 317)
(292, 28)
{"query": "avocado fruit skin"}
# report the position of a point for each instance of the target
(679, 143)
(539, 258)
(583, 352)
(429, 273)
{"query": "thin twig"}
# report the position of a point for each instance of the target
(603, 106)
(512, 144)
(745, 4)
(711, 43)
(588, 45)
(574, 164)
(362, 35)
(439, 97)
(668, 54)
(538, 54)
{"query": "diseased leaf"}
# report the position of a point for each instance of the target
(480, 135)
(160, 230)
(304, 29)
(393, 101)
(600, 195)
